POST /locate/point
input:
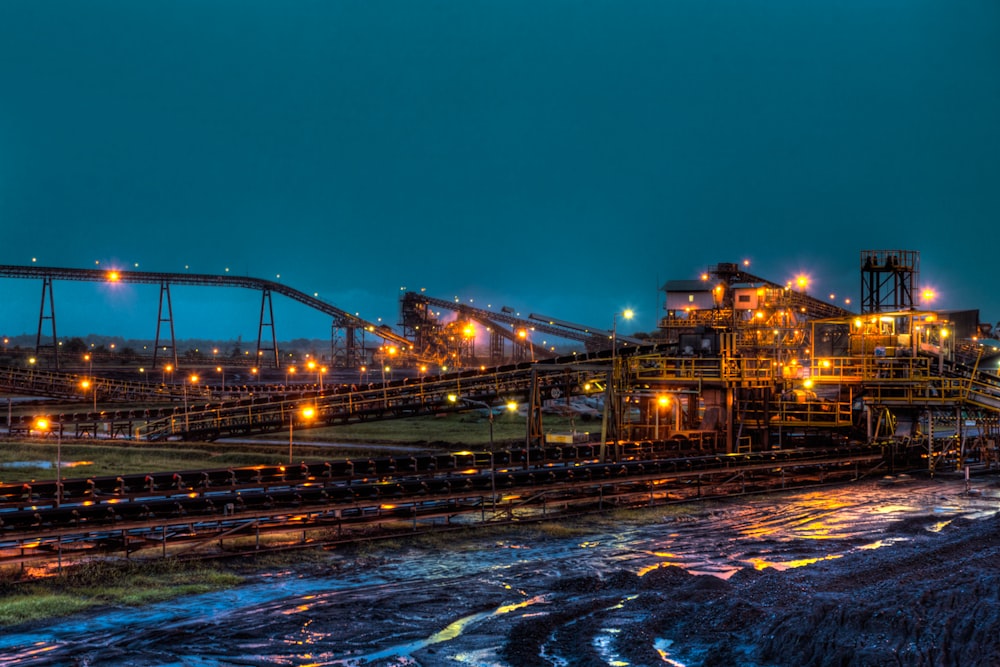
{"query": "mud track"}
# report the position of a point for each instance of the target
(865, 574)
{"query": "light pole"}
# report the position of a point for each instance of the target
(194, 380)
(220, 369)
(523, 335)
(614, 381)
(385, 387)
(307, 414)
(493, 470)
(44, 426)
(90, 384)
(627, 314)
(661, 402)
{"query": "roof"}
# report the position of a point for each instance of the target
(686, 286)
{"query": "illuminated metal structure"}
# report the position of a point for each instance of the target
(439, 340)
(763, 364)
(426, 337)
(763, 382)
(746, 364)
(889, 279)
(267, 345)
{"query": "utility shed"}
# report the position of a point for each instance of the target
(685, 295)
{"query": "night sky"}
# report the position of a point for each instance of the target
(557, 157)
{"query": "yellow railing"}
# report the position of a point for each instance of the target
(825, 414)
(728, 369)
(868, 369)
(941, 391)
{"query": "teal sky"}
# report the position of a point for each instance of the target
(559, 157)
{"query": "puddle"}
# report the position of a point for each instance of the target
(662, 647)
(46, 465)
(29, 464)
(401, 654)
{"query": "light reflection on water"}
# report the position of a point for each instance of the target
(290, 618)
(45, 465)
(799, 529)
(662, 647)
(761, 563)
(453, 630)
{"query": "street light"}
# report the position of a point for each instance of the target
(86, 384)
(489, 410)
(385, 386)
(523, 335)
(45, 426)
(194, 380)
(627, 314)
(307, 414)
(311, 365)
(661, 402)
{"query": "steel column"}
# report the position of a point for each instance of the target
(47, 289)
(165, 291)
(268, 308)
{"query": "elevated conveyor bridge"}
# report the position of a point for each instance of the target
(429, 332)
(48, 275)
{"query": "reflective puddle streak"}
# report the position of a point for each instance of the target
(760, 563)
(450, 632)
(800, 528)
(604, 641)
(46, 464)
(662, 647)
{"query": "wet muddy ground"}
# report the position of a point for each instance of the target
(889, 572)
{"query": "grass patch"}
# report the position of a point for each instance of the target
(88, 458)
(35, 606)
(559, 531)
(103, 584)
(469, 428)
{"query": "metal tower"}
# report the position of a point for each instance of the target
(888, 280)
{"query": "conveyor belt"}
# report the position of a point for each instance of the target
(32, 509)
